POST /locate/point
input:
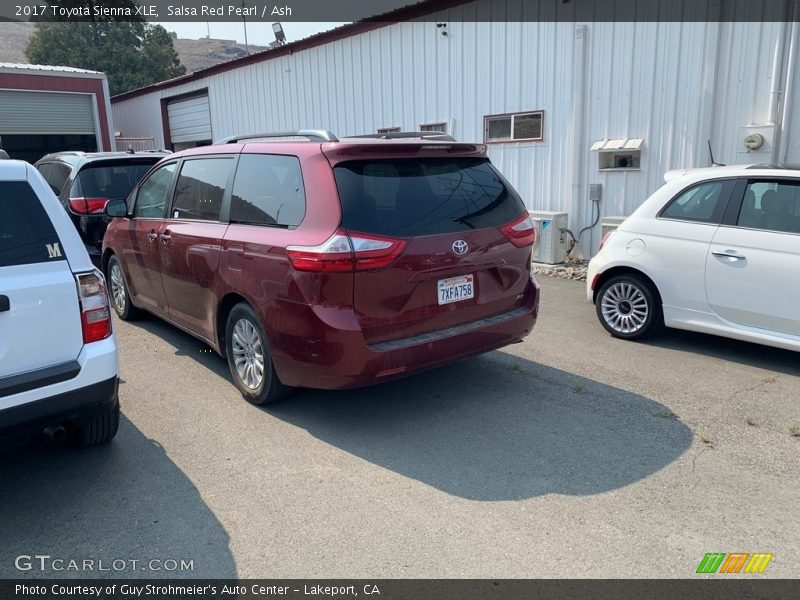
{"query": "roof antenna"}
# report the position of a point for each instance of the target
(711, 154)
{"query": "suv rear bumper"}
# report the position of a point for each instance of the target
(75, 407)
(342, 359)
(73, 401)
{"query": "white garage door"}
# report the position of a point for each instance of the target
(189, 120)
(37, 113)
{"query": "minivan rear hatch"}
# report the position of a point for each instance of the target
(450, 214)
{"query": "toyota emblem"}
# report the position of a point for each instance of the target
(460, 247)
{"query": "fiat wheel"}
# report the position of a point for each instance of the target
(628, 307)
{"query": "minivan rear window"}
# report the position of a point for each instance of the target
(26, 234)
(424, 196)
(111, 182)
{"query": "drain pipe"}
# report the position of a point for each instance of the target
(776, 76)
(781, 152)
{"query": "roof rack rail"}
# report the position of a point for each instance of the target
(399, 135)
(314, 135)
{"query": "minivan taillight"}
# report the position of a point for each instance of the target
(346, 252)
(95, 313)
(87, 206)
(520, 232)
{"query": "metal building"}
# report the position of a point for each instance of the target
(563, 106)
(45, 109)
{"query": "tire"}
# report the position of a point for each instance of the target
(245, 342)
(118, 292)
(629, 307)
(100, 430)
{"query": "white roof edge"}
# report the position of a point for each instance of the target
(727, 171)
(52, 70)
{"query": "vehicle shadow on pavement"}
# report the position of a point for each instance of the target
(497, 427)
(122, 501)
(745, 353)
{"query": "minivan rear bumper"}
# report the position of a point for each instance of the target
(340, 358)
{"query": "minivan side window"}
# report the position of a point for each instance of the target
(268, 190)
(26, 234)
(704, 203)
(772, 205)
(200, 188)
(152, 194)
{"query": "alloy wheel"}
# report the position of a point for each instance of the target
(117, 288)
(624, 307)
(248, 353)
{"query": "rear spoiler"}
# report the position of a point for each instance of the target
(373, 149)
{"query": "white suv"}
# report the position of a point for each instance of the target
(58, 352)
(714, 250)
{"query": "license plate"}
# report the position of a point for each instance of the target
(456, 289)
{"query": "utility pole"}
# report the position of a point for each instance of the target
(244, 20)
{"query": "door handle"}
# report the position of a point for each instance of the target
(731, 255)
(151, 237)
(166, 237)
(5, 303)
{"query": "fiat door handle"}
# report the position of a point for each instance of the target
(151, 237)
(166, 237)
(5, 303)
(730, 255)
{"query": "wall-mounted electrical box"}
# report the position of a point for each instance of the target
(595, 192)
(756, 143)
(623, 154)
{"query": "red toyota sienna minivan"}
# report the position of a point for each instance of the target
(327, 263)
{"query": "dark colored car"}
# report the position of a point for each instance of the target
(85, 181)
(327, 263)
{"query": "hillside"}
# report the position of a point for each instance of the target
(194, 54)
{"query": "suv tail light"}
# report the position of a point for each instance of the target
(87, 206)
(346, 252)
(520, 232)
(95, 314)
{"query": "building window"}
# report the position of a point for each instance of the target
(440, 127)
(517, 127)
(388, 129)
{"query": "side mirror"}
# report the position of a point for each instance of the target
(117, 208)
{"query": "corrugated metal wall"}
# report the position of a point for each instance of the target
(676, 85)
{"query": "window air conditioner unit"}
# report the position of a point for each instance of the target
(550, 246)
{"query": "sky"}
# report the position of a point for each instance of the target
(258, 34)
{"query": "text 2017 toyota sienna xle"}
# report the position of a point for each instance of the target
(327, 263)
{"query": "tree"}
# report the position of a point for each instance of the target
(131, 52)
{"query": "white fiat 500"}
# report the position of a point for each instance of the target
(715, 250)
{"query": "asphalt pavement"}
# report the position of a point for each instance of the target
(571, 454)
